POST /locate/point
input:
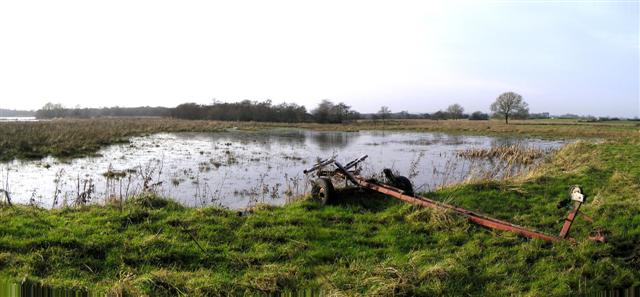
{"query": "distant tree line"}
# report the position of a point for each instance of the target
(328, 112)
(245, 110)
(16, 113)
(264, 111)
(51, 110)
(508, 105)
(600, 119)
(453, 112)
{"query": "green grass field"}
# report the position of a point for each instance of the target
(366, 244)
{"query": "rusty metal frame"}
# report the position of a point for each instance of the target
(472, 216)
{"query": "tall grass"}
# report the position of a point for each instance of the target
(511, 154)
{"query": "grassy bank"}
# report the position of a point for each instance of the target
(365, 245)
(76, 138)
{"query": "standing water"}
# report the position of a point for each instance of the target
(236, 169)
(18, 119)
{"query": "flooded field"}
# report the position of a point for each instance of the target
(236, 169)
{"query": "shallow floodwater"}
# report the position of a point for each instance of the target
(236, 169)
(18, 119)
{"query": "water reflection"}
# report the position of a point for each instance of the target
(18, 119)
(507, 141)
(332, 140)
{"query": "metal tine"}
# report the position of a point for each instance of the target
(355, 162)
(320, 164)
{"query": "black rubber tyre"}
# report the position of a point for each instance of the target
(322, 190)
(404, 184)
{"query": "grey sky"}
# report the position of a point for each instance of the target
(562, 56)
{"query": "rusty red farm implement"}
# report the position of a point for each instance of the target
(400, 187)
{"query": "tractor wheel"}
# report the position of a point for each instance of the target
(404, 184)
(322, 190)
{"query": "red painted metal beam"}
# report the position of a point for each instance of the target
(477, 218)
(569, 221)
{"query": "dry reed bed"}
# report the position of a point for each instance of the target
(511, 154)
(74, 138)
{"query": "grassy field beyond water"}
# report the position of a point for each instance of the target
(70, 138)
(366, 244)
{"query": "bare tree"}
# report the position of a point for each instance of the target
(455, 111)
(509, 104)
(384, 113)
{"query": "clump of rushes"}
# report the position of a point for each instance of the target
(114, 174)
(365, 244)
(512, 154)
